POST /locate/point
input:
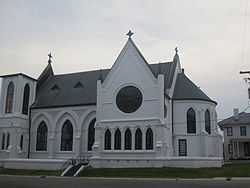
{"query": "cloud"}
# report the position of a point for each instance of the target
(85, 35)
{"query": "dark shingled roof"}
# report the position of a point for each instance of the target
(185, 89)
(243, 119)
(64, 93)
(60, 91)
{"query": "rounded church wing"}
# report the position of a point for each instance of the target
(185, 89)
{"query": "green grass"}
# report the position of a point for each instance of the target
(29, 172)
(230, 170)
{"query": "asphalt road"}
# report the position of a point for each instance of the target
(59, 182)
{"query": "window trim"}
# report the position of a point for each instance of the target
(138, 139)
(63, 148)
(118, 140)
(107, 140)
(128, 145)
(149, 139)
(241, 130)
(91, 134)
(229, 133)
(42, 123)
(26, 99)
(191, 123)
(181, 154)
(9, 99)
(208, 121)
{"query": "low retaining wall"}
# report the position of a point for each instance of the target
(57, 164)
(180, 162)
(33, 164)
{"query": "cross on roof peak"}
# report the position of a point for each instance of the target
(50, 57)
(176, 50)
(129, 34)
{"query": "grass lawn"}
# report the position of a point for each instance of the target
(29, 172)
(229, 170)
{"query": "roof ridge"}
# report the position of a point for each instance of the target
(96, 70)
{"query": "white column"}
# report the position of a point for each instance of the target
(51, 143)
(112, 138)
(13, 142)
(143, 138)
(122, 138)
(77, 146)
(133, 138)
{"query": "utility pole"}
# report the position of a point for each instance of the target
(247, 80)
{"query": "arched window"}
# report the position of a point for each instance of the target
(8, 140)
(67, 136)
(3, 141)
(149, 139)
(41, 137)
(107, 140)
(9, 98)
(91, 134)
(26, 96)
(207, 122)
(138, 139)
(118, 144)
(128, 140)
(21, 142)
(191, 121)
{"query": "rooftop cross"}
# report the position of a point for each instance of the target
(129, 34)
(50, 57)
(176, 50)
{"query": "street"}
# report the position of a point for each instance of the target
(61, 182)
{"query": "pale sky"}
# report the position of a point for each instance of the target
(213, 38)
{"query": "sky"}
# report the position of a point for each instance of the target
(213, 38)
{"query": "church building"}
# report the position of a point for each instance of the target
(135, 114)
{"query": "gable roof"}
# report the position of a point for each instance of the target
(243, 119)
(185, 89)
(45, 75)
(18, 74)
(130, 45)
(67, 95)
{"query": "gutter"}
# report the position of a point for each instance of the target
(29, 132)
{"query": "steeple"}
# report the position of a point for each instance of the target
(47, 73)
(176, 56)
(177, 60)
(50, 57)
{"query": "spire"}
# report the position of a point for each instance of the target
(177, 60)
(176, 56)
(50, 57)
(47, 73)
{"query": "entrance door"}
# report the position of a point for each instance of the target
(247, 148)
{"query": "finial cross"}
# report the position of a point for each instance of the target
(50, 57)
(129, 34)
(176, 50)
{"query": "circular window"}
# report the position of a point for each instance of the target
(129, 99)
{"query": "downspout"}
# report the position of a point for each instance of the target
(29, 132)
(173, 144)
(172, 116)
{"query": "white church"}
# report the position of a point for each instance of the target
(135, 114)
